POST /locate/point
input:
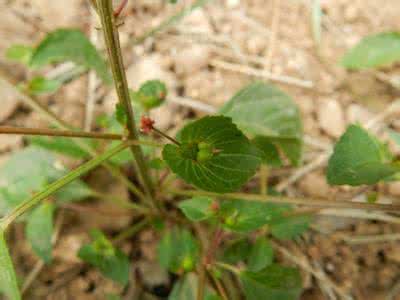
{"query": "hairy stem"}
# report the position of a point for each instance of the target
(73, 134)
(58, 184)
(112, 42)
(291, 200)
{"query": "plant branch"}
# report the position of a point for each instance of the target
(112, 42)
(73, 134)
(58, 184)
(291, 200)
(54, 119)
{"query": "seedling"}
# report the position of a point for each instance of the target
(212, 224)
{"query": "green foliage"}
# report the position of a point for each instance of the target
(374, 51)
(151, 94)
(178, 251)
(69, 45)
(120, 114)
(41, 85)
(234, 159)
(359, 158)
(290, 226)
(261, 109)
(237, 251)
(16, 186)
(59, 145)
(272, 283)
(111, 262)
(39, 230)
(19, 53)
(8, 279)
(198, 208)
(271, 154)
(186, 289)
(260, 256)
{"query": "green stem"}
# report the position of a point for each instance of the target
(55, 186)
(291, 200)
(227, 267)
(112, 42)
(263, 179)
(54, 119)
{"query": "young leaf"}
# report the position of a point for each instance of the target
(151, 94)
(244, 216)
(178, 251)
(290, 227)
(214, 155)
(111, 262)
(261, 255)
(186, 289)
(8, 279)
(272, 283)
(39, 230)
(20, 53)
(41, 85)
(271, 155)
(374, 51)
(359, 158)
(197, 208)
(262, 109)
(69, 45)
(59, 145)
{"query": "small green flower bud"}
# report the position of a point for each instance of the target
(204, 155)
(187, 263)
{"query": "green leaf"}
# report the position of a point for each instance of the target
(244, 216)
(237, 251)
(214, 155)
(197, 208)
(271, 155)
(157, 164)
(39, 230)
(113, 297)
(290, 226)
(374, 51)
(186, 289)
(272, 283)
(395, 136)
(27, 171)
(111, 262)
(19, 53)
(8, 279)
(359, 158)
(261, 109)
(120, 114)
(59, 145)
(41, 85)
(69, 45)
(178, 251)
(151, 94)
(261, 255)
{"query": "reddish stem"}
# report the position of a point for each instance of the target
(212, 249)
(120, 8)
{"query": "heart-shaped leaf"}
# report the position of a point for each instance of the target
(8, 279)
(69, 45)
(373, 51)
(262, 109)
(111, 262)
(39, 230)
(359, 158)
(272, 283)
(214, 155)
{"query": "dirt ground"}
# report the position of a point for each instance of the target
(204, 60)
